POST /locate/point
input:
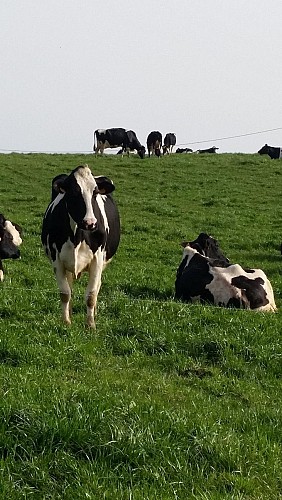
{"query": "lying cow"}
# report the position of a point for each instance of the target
(274, 153)
(213, 280)
(10, 240)
(184, 150)
(208, 150)
(117, 137)
(169, 142)
(154, 143)
(80, 232)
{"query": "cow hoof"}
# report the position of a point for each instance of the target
(90, 323)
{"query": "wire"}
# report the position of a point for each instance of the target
(232, 136)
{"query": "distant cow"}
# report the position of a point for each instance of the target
(80, 232)
(154, 143)
(117, 137)
(215, 281)
(169, 142)
(184, 150)
(209, 150)
(10, 240)
(274, 153)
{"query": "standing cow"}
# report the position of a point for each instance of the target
(117, 137)
(274, 153)
(154, 143)
(169, 142)
(80, 232)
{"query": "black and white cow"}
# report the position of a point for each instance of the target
(208, 150)
(117, 137)
(213, 280)
(10, 240)
(274, 153)
(169, 142)
(80, 232)
(184, 150)
(154, 143)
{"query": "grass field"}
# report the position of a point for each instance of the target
(164, 400)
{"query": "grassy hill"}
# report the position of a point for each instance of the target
(164, 400)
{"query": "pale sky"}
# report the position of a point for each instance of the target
(204, 69)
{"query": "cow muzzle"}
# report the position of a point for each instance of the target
(89, 224)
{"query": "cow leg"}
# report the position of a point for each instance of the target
(63, 278)
(1, 271)
(93, 287)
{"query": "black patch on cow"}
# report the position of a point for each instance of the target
(236, 303)
(192, 279)
(254, 290)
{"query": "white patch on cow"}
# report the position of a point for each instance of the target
(55, 202)
(221, 287)
(101, 131)
(1, 275)
(75, 259)
(87, 184)
(101, 200)
(13, 232)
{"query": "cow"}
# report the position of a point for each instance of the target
(10, 240)
(215, 281)
(154, 143)
(274, 153)
(169, 142)
(208, 150)
(80, 232)
(184, 150)
(117, 137)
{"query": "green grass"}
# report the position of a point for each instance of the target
(164, 400)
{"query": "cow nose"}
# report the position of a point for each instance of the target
(89, 223)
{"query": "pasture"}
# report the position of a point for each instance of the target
(164, 400)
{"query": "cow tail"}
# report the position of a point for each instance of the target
(94, 141)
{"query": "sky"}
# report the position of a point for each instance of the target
(204, 69)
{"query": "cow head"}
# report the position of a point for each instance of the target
(264, 150)
(206, 245)
(9, 239)
(141, 152)
(158, 150)
(79, 188)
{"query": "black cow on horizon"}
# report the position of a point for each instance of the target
(211, 150)
(205, 275)
(184, 150)
(274, 153)
(154, 143)
(80, 233)
(117, 137)
(169, 142)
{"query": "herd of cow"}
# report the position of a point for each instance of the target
(81, 233)
(128, 142)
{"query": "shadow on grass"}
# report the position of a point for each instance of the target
(145, 292)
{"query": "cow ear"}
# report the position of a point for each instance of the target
(184, 243)
(58, 186)
(105, 185)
